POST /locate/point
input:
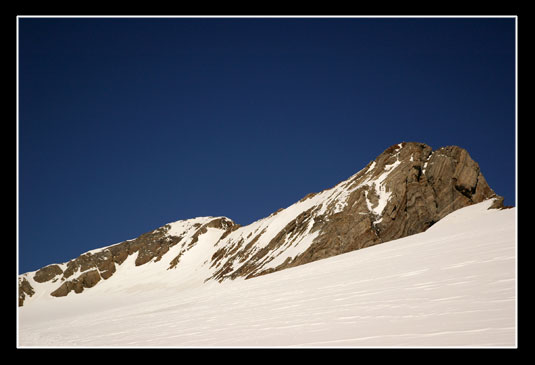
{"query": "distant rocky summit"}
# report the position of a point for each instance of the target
(404, 191)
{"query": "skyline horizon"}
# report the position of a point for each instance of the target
(127, 123)
(252, 222)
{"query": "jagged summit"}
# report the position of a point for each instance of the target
(404, 191)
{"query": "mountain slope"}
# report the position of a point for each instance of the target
(453, 285)
(404, 191)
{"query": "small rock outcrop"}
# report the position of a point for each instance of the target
(47, 273)
(86, 280)
(25, 289)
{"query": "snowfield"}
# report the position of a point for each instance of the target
(451, 286)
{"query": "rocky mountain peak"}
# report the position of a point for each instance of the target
(404, 191)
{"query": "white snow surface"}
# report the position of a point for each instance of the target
(451, 286)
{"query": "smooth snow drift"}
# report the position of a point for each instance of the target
(453, 285)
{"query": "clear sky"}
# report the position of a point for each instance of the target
(127, 124)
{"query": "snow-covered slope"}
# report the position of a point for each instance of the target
(194, 247)
(452, 285)
(404, 191)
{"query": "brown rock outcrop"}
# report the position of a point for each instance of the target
(423, 187)
(47, 273)
(25, 289)
(86, 280)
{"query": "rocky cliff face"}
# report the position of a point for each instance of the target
(404, 191)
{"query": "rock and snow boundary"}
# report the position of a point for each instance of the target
(404, 191)
(453, 285)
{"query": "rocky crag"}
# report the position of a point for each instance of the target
(404, 191)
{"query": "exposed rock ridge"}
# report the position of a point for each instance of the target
(404, 191)
(88, 269)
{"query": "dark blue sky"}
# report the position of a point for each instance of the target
(127, 124)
